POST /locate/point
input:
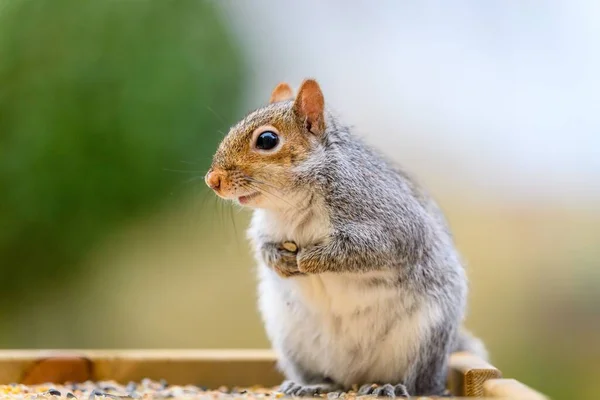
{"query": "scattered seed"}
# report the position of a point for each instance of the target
(146, 382)
(146, 389)
(96, 392)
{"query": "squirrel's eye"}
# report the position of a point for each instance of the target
(267, 140)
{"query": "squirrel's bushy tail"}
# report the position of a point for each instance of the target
(465, 341)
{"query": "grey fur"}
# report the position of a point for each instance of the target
(381, 220)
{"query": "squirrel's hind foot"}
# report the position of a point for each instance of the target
(387, 390)
(290, 388)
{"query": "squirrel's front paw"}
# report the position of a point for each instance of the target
(287, 265)
(283, 259)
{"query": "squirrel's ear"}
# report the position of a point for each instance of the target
(309, 105)
(282, 92)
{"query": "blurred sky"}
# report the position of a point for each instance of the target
(504, 95)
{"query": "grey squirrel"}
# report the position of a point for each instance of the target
(360, 282)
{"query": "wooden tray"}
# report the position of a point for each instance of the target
(468, 376)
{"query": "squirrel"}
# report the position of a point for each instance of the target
(360, 283)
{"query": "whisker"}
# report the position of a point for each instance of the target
(222, 215)
(263, 190)
(199, 219)
(206, 195)
(235, 231)
(182, 171)
(193, 179)
(211, 215)
(254, 180)
(215, 113)
(261, 182)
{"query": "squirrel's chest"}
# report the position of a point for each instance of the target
(302, 227)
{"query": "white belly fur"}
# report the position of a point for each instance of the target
(316, 321)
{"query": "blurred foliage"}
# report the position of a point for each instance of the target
(97, 100)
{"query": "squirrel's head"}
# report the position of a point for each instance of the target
(254, 164)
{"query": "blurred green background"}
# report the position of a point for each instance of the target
(110, 112)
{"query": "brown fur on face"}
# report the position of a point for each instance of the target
(244, 170)
(236, 160)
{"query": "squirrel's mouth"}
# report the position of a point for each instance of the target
(245, 199)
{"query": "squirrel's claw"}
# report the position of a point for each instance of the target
(290, 388)
(387, 390)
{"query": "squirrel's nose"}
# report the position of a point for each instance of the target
(213, 179)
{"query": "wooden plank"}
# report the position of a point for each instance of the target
(468, 373)
(211, 368)
(510, 389)
(467, 377)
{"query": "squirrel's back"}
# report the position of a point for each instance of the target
(361, 186)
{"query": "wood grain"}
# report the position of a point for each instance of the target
(510, 389)
(468, 373)
(211, 368)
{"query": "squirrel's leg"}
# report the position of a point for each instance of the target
(429, 375)
(302, 382)
(291, 388)
(279, 259)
